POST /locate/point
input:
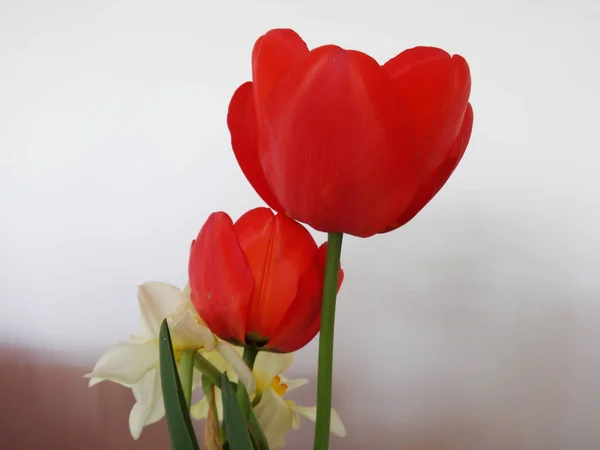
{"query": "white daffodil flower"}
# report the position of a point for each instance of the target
(276, 415)
(135, 364)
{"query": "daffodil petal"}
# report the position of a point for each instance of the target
(219, 403)
(149, 390)
(293, 384)
(187, 291)
(157, 301)
(274, 417)
(136, 420)
(216, 359)
(139, 417)
(237, 364)
(199, 410)
(219, 361)
(149, 407)
(310, 412)
(94, 381)
(295, 421)
(268, 365)
(139, 339)
(125, 363)
(188, 332)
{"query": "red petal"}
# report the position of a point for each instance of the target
(278, 250)
(436, 181)
(335, 143)
(274, 54)
(435, 88)
(302, 320)
(241, 120)
(220, 280)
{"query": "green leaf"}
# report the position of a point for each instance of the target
(181, 431)
(256, 434)
(235, 425)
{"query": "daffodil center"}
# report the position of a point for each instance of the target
(279, 387)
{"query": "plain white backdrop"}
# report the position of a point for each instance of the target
(476, 326)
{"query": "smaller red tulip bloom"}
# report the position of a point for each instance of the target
(337, 141)
(258, 282)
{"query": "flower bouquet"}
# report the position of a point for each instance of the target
(327, 137)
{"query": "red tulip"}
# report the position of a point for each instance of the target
(259, 281)
(337, 141)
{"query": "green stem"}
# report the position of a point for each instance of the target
(206, 384)
(187, 374)
(210, 372)
(324, 379)
(249, 357)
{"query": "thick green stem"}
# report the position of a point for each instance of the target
(249, 357)
(187, 374)
(210, 372)
(324, 380)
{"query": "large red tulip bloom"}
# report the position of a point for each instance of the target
(258, 282)
(337, 141)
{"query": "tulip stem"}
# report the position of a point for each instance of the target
(324, 379)
(187, 374)
(249, 356)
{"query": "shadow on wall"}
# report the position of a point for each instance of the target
(523, 404)
(369, 430)
(51, 407)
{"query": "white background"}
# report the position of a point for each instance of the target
(476, 326)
